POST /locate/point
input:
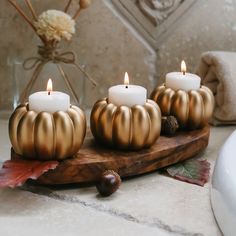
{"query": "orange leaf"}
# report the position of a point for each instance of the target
(15, 172)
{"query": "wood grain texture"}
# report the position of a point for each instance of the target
(92, 159)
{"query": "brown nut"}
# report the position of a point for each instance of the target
(169, 125)
(108, 183)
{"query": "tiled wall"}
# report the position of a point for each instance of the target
(102, 43)
(208, 25)
(108, 45)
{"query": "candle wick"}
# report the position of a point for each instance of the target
(49, 92)
(126, 86)
(183, 72)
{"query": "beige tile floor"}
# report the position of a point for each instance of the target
(153, 204)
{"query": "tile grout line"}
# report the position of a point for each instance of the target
(157, 223)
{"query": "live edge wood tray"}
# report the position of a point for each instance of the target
(92, 159)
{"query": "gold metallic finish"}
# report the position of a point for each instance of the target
(44, 135)
(105, 120)
(123, 127)
(192, 109)
(13, 123)
(47, 136)
(25, 136)
(180, 99)
(155, 127)
(97, 108)
(208, 99)
(158, 90)
(165, 101)
(140, 126)
(77, 117)
(196, 110)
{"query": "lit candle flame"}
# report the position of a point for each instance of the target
(126, 80)
(49, 86)
(183, 67)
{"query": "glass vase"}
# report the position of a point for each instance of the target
(66, 78)
(73, 85)
(69, 81)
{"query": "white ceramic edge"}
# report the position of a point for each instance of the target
(223, 189)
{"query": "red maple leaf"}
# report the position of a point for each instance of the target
(15, 172)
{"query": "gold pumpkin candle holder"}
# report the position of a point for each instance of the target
(123, 127)
(192, 109)
(47, 136)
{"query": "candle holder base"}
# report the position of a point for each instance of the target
(123, 127)
(192, 109)
(47, 136)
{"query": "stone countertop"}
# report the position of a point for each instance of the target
(153, 204)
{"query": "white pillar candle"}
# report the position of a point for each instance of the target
(182, 80)
(49, 101)
(126, 94)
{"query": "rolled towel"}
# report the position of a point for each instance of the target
(218, 72)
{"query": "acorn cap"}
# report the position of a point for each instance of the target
(169, 125)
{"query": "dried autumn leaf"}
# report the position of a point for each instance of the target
(15, 172)
(191, 171)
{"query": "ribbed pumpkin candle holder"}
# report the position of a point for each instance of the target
(123, 127)
(45, 135)
(192, 109)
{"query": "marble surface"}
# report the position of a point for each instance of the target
(153, 204)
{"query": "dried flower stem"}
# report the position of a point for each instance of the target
(21, 12)
(33, 13)
(68, 84)
(86, 74)
(76, 14)
(67, 6)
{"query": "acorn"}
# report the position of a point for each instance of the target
(108, 183)
(84, 3)
(169, 125)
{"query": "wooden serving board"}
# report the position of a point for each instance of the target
(92, 159)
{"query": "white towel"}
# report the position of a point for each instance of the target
(218, 72)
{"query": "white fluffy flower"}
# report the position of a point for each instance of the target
(55, 25)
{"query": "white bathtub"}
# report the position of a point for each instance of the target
(223, 191)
